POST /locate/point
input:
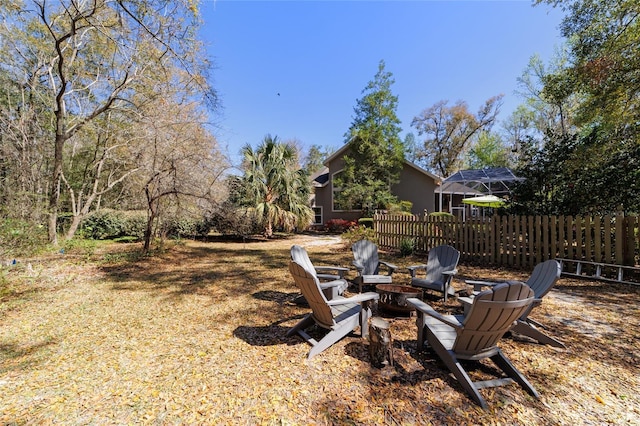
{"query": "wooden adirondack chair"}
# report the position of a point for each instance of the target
(475, 337)
(332, 284)
(438, 272)
(542, 279)
(367, 263)
(340, 315)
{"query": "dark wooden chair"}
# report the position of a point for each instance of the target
(340, 316)
(368, 265)
(542, 279)
(438, 272)
(331, 278)
(475, 337)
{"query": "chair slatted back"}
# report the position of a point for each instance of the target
(543, 277)
(441, 259)
(366, 253)
(491, 315)
(301, 257)
(309, 286)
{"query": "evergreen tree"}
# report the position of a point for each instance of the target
(376, 153)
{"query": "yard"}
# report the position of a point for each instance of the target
(196, 335)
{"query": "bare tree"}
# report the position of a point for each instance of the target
(101, 157)
(449, 131)
(89, 57)
(182, 164)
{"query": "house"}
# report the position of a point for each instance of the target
(416, 185)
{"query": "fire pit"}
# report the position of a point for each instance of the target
(394, 297)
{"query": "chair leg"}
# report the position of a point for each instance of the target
(501, 361)
(333, 336)
(465, 381)
(529, 330)
(365, 314)
(535, 323)
(324, 343)
(304, 323)
(420, 325)
(456, 368)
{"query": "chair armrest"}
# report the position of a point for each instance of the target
(466, 300)
(428, 310)
(339, 269)
(450, 273)
(483, 283)
(391, 266)
(358, 298)
(478, 284)
(414, 268)
(334, 283)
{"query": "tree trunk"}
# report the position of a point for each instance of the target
(148, 232)
(73, 227)
(56, 178)
(380, 343)
(268, 230)
(152, 212)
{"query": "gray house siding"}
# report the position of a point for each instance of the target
(416, 185)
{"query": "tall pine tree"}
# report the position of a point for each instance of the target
(376, 155)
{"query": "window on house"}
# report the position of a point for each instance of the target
(317, 215)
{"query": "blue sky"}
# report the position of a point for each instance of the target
(296, 68)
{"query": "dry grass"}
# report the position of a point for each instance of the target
(197, 336)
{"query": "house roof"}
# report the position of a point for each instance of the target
(344, 147)
(496, 180)
(320, 178)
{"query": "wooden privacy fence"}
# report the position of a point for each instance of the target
(519, 241)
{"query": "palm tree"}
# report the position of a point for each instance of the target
(274, 187)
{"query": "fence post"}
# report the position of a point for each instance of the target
(607, 239)
(629, 246)
(619, 256)
(597, 239)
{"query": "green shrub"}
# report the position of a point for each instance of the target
(109, 224)
(134, 224)
(229, 219)
(366, 221)
(401, 208)
(407, 246)
(19, 238)
(405, 206)
(441, 214)
(179, 227)
(357, 233)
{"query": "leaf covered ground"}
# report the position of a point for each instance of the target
(196, 335)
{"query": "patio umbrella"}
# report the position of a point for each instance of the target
(484, 201)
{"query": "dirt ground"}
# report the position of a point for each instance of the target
(196, 335)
